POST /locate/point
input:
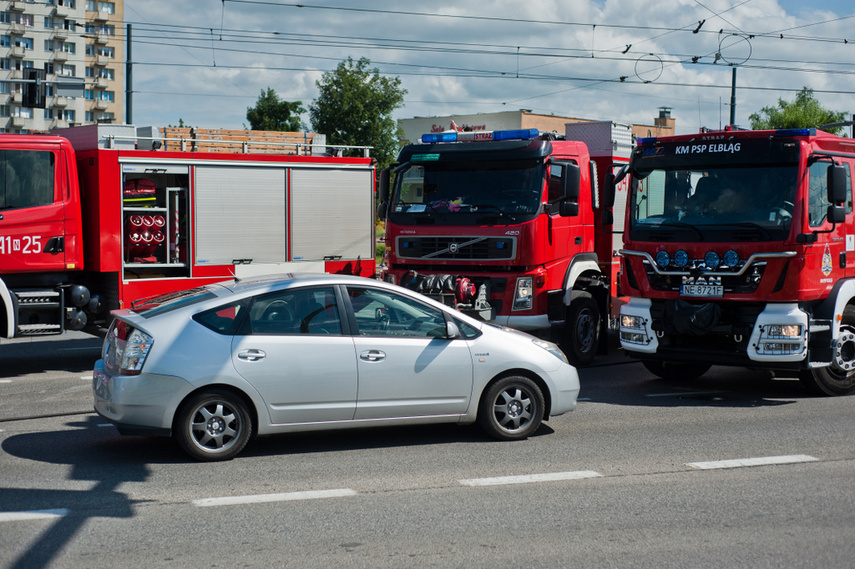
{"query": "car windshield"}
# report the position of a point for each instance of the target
(509, 188)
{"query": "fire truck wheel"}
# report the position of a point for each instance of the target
(673, 371)
(839, 377)
(511, 408)
(583, 329)
(213, 425)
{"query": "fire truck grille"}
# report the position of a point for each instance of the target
(743, 284)
(468, 248)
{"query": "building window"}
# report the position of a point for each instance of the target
(4, 111)
(5, 41)
(48, 114)
(89, 94)
(106, 96)
(107, 7)
(5, 18)
(106, 117)
(5, 88)
(66, 70)
(66, 115)
(69, 47)
(26, 43)
(4, 64)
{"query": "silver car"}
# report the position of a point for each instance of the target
(216, 366)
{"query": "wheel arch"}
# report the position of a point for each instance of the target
(7, 312)
(544, 389)
(223, 388)
(585, 275)
(842, 295)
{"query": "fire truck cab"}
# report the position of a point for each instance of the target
(739, 249)
(506, 226)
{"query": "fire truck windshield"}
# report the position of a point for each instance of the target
(468, 193)
(713, 202)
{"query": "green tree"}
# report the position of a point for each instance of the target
(355, 106)
(804, 112)
(272, 113)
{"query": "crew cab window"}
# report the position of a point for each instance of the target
(384, 313)
(818, 192)
(26, 178)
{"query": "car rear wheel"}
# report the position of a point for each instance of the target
(213, 425)
(673, 371)
(839, 377)
(511, 408)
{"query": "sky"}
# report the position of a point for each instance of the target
(204, 62)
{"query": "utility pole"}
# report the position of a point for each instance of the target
(733, 98)
(129, 76)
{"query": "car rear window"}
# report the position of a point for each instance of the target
(223, 319)
(163, 303)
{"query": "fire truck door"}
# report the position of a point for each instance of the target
(32, 228)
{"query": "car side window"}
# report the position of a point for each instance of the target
(303, 311)
(223, 319)
(383, 313)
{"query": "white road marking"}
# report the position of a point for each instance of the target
(679, 393)
(759, 461)
(528, 478)
(33, 515)
(5, 381)
(86, 377)
(284, 497)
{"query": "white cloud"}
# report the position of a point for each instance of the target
(544, 55)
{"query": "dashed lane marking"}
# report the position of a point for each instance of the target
(528, 478)
(284, 497)
(759, 461)
(33, 515)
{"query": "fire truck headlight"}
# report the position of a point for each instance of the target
(627, 321)
(524, 294)
(784, 331)
(662, 259)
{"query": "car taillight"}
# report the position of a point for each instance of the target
(126, 348)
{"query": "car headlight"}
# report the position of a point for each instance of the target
(551, 348)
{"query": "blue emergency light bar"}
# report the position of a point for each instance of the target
(477, 136)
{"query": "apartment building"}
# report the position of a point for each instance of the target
(79, 45)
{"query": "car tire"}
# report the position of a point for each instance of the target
(582, 333)
(213, 425)
(674, 371)
(511, 408)
(835, 379)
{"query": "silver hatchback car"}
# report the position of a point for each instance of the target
(216, 366)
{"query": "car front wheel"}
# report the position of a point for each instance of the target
(511, 408)
(213, 425)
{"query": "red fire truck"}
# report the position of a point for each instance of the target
(506, 226)
(739, 249)
(89, 223)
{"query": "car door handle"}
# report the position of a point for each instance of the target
(372, 356)
(251, 355)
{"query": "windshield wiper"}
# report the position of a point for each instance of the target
(678, 225)
(743, 224)
(502, 213)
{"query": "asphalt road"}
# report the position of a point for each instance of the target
(733, 470)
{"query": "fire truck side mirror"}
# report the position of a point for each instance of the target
(385, 175)
(571, 179)
(837, 191)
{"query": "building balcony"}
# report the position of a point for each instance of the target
(59, 102)
(101, 83)
(101, 39)
(19, 122)
(17, 29)
(18, 51)
(18, 5)
(59, 123)
(101, 61)
(59, 56)
(60, 34)
(17, 97)
(102, 105)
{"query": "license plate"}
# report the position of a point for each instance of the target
(702, 290)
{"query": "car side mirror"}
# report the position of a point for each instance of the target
(452, 332)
